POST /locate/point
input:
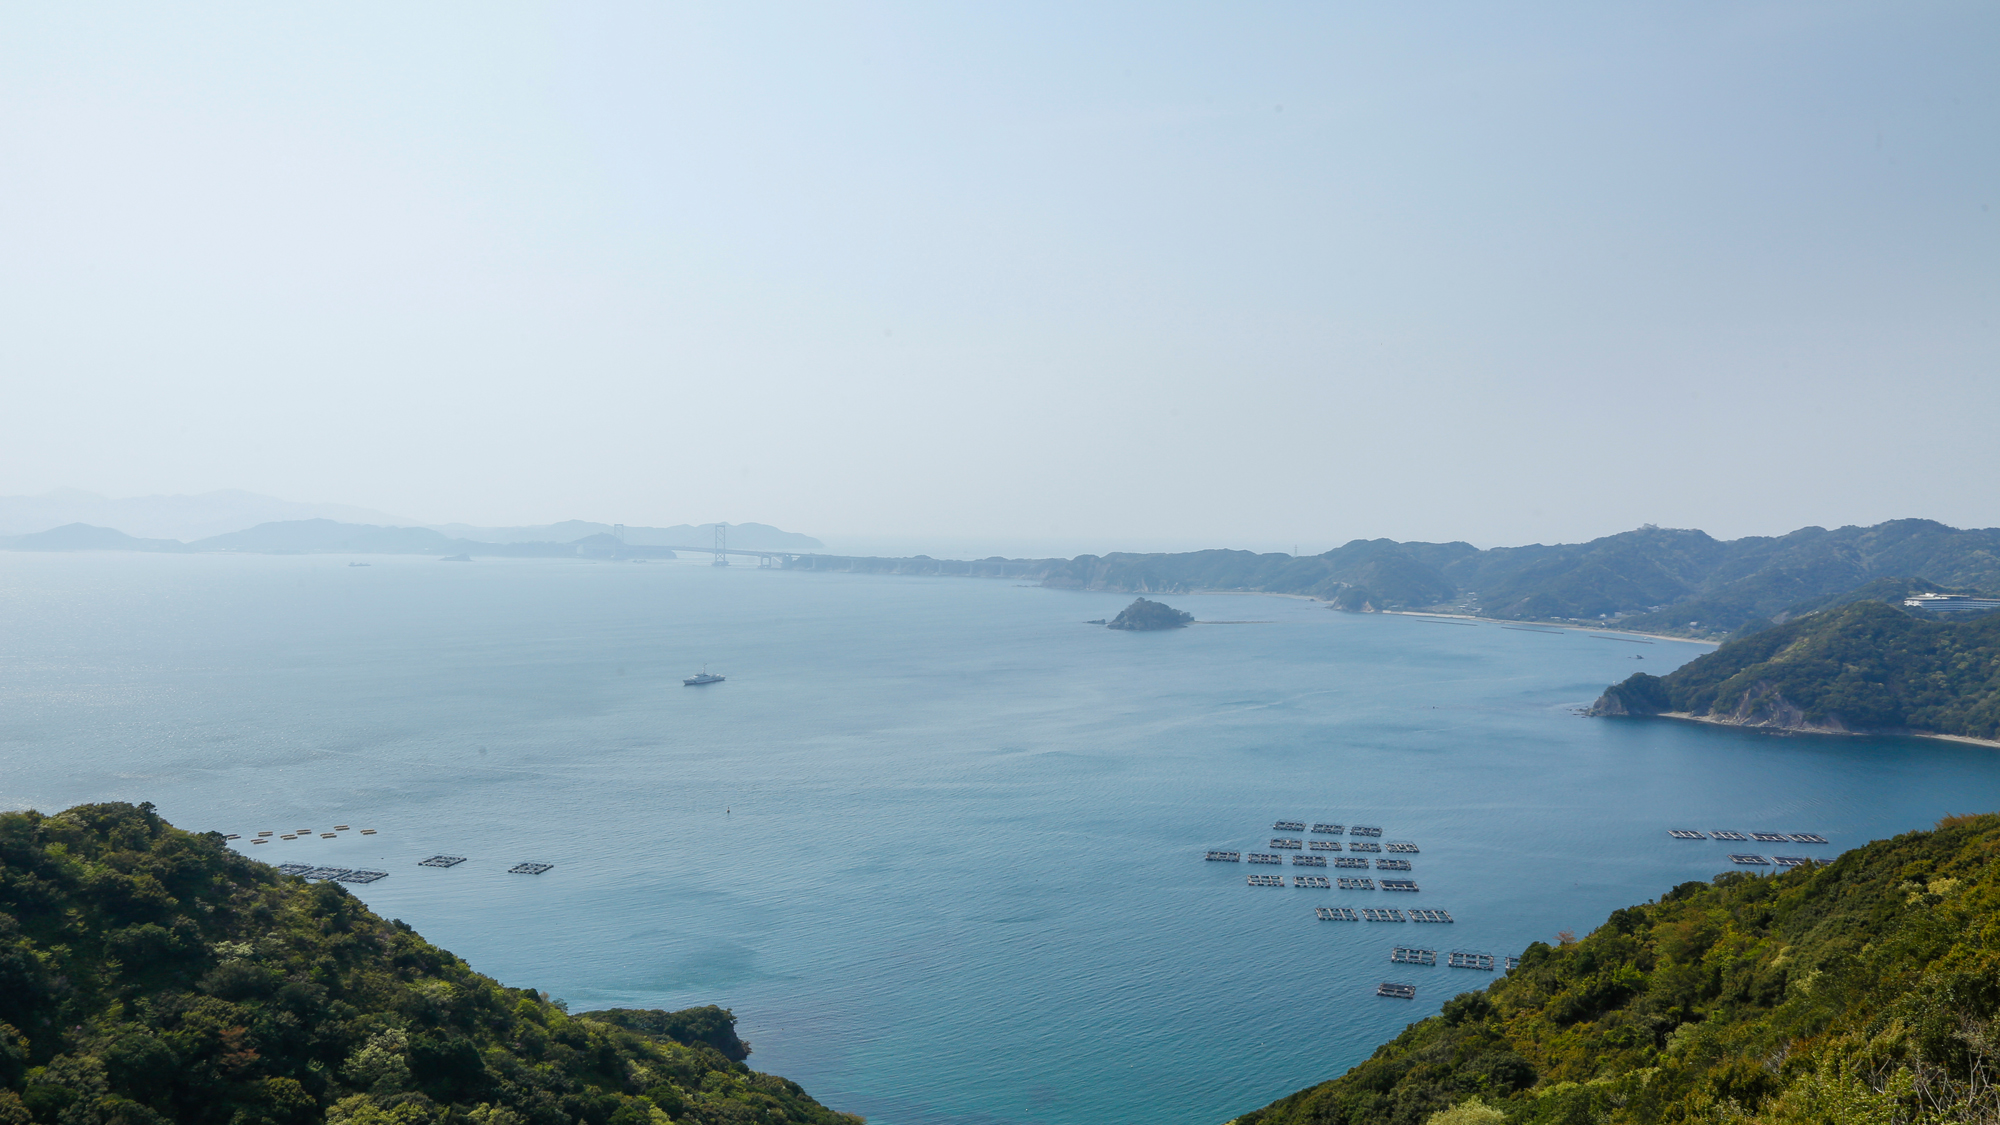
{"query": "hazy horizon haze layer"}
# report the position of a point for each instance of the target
(1041, 274)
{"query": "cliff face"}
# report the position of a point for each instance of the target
(1861, 667)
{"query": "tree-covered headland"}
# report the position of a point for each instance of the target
(1863, 666)
(151, 975)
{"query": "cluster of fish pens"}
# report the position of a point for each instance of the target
(313, 872)
(316, 873)
(1366, 840)
(1456, 959)
(267, 836)
(1748, 859)
(455, 860)
(1349, 862)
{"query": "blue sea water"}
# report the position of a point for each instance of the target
(936, 842)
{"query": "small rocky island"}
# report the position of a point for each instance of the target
(1145, 615)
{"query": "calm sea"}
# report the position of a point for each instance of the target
(936, 842)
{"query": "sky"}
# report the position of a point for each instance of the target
(1113, 276)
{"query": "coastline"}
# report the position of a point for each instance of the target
(1565, 626)
(1690, 717)
(1606, 629)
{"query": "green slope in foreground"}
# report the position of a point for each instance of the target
(1860, 991)
(152, 975)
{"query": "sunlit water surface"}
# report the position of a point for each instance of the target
(936, 842)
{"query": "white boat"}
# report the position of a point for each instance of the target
(706, 677)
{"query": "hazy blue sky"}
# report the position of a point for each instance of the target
(1238, 274)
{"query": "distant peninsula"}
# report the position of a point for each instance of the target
(1145, 616)
(1863, 667)
(1672, 581)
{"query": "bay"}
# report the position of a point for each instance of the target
(936, 842)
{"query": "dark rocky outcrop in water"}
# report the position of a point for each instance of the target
(1143, 615)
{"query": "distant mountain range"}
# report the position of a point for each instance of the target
(1653, 579)
(170, 517)
(195, 519)
(322, 536)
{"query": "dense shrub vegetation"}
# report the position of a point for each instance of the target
(150, 975)
(1862, 991)
(1862, 666)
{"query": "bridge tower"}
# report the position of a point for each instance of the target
(721, 545)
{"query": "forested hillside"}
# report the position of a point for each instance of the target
(1856, 993)
(1653, 579)
(1864, 666)
(151, 975)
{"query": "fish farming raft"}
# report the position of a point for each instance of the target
(1749, 860)
(1403, 955)
(1335, 914)
(441, 861)
(1400, 885)
(1265, 880)
(1374, 914)
(1224, 857)
(1419, 915)
(1463, 960)
(1316, 882)
(529, 868)
(1308, 861)
(1396, 991)
(1356, 883)
(1329, 829)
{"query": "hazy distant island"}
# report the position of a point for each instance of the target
(1144, 616)
(151, 975)
(1863, 666)
(571, 539)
